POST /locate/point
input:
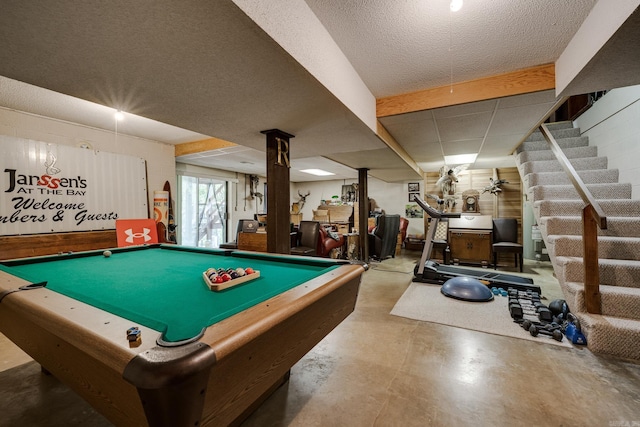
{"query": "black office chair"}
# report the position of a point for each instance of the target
(307, 239)
(505, 240)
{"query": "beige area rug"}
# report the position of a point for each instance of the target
(423, 301)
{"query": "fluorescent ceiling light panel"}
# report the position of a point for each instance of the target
(460, 159)
(317, 172)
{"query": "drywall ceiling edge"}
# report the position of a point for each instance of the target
(293, 25)
(601, 24)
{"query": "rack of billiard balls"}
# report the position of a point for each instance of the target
(219, 278)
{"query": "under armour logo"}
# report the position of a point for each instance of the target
(131, 235)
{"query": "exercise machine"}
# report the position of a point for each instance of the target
(429, 271)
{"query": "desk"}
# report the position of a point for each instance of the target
(252, 242)
(239, 344)
(257, 242)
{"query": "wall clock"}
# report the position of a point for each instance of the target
(470, 204)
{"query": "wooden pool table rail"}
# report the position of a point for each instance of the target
(31, 245)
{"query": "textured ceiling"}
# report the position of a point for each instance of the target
(208, 68)
(404, 46)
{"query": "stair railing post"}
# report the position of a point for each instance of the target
(592, 218)
(591, 263)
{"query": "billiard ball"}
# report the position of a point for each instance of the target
(249, 270)
(212, 274)
(240, 272)
(106, 254)
(226, 277)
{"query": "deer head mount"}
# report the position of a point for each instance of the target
(297, 207)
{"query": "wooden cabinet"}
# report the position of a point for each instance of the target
(471, 246)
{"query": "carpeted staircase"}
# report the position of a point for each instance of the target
(558, 208)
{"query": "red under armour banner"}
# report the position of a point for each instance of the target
(136, 232)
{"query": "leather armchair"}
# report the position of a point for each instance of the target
(383, 238)
(326, 243)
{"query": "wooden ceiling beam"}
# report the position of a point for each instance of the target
(203, 145)
(529, 80)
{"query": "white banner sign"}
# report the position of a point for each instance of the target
(56, 188)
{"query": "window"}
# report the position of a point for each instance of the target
(203, 211)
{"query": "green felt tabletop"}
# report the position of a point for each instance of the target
(162, 287)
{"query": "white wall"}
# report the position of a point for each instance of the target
(613, 125)
(160, 157)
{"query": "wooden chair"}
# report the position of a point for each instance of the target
(441, 239)
(131, 232)
(505, 240)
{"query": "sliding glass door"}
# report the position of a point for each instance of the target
(203, 211)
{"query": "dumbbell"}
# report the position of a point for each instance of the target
(556, 334)
(515, 309)
(545, 314)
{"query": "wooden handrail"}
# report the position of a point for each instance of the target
(592, 218)
(543, 119)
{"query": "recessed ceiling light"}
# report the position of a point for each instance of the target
(317, 172)
(456, 5)
(119, 116)
(460, 159)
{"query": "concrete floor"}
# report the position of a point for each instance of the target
(376, 369)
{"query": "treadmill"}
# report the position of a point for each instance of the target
(429, 271)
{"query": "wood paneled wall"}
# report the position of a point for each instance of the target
(507, 205)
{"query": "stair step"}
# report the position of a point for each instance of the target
(608, 247)
(568, 192)
(614, 207)
(570, 140)
(613, 272)
(571, 153)
(598, 176)
(572, 225)
(582, 163)
(616, 301)
(611, 335)
(558, 130)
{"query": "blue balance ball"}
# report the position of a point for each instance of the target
(466, 289)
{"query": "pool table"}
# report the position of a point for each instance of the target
(205, 357)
